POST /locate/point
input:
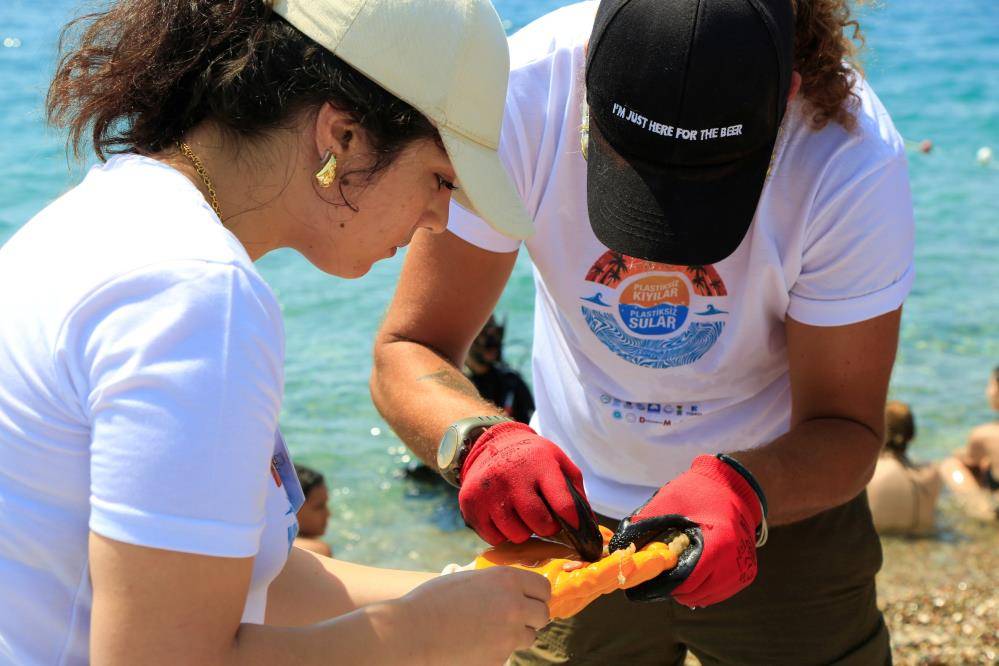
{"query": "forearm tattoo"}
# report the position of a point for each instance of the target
(450, 377)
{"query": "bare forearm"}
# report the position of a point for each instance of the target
(154, 606)
(420, 393)
(312, 588)
(818, 464)
(373, 635)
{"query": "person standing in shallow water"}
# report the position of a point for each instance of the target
(493, 378)
(142, 353)
(724, 242)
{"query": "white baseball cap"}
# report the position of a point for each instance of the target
(449, 60)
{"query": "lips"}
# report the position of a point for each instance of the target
(396, 248)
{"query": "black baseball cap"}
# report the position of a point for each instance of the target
(686, 99)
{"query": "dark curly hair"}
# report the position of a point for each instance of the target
(139, 75)
(826, 42)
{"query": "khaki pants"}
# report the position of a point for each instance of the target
(813, 602)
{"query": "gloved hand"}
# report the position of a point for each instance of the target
(719, 510)
(513, 481)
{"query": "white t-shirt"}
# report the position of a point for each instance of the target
(638, 366)
(141, 375)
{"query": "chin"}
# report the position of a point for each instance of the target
(336, 269)
(355, 272)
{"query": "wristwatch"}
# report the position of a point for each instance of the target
(457, 441)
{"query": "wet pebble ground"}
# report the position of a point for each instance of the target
(939, 595)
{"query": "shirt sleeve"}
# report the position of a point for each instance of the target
(857, 262)
(473, 229)
(530, 124)
(181, 372)
(545, 69)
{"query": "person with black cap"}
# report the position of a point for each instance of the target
(723, 242)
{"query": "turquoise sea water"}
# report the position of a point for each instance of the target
(935, 66)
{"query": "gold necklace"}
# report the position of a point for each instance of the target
(200, 168)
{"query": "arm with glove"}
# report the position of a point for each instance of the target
(839, 380)
(515, 483)
(446, 293)
(720, 507)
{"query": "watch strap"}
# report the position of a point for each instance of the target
(762, 532)
(459, 438)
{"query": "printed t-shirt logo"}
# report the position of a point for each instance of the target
(654, 305)
(651, 314)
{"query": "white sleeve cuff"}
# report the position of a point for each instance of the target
(474, 230)
(843, 311)
(186, 535)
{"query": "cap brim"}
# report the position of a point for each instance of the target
(485, 186)
(676, 215)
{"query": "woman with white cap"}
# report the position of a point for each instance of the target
(141, 352)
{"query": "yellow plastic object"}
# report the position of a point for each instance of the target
(576, 583)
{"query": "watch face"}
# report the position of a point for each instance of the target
(448, 449)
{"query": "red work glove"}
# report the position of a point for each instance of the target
(719, 510)
(513, 480)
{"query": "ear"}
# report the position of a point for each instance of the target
(335, 130)
(795, 85)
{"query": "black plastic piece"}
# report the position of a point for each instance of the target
(585, 540)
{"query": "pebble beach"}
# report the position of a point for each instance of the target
(939, 594)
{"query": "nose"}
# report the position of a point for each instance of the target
(435, 216)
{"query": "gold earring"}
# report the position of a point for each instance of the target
(327, 174)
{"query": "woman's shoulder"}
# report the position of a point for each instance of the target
(134, 192)
(986, 435)
(134, 217)
(133, 233)
(888, 467)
